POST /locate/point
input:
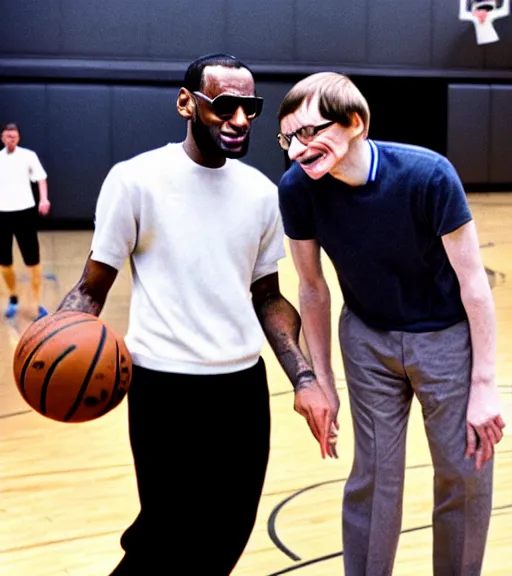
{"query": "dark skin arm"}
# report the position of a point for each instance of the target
(279, 319)
(281, 324)
(91, 291)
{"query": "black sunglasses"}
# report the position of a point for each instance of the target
(304, 134)
(225, 105)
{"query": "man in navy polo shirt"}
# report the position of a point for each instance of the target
(418, 319)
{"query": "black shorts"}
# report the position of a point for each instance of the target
(23, 225)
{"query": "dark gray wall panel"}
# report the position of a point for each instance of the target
(144, 118)
(184, 30)
(468, 131)
(399, 33)
(104, 28)
(264, 152)
(139, 40)
(25, 104)
(499, 54)
(336, 33)
(501, 134)
(453, 42)
(260, 30)
(80, 142)
(29, 27)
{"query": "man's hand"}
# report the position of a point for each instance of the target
(328, 385)
(44, 207)
(312, 403)
(484, 423)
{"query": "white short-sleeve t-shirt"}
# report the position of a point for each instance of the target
(197, 238)
(17, 170)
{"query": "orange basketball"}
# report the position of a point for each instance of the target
(71, 367)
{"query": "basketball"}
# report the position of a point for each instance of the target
(72, 367)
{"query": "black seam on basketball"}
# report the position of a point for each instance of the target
(48, 377)
(87, 378)
(110, 404)
(25, 344)
(44, 327)
(32, 354)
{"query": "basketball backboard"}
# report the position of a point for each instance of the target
(483, 13)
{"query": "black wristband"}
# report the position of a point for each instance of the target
(306, 374)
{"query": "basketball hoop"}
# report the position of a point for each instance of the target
(483, 13)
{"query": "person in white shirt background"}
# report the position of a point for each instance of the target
(19, 215)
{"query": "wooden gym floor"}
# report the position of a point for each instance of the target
(68, 490)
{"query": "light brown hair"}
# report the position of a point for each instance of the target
(338, 98)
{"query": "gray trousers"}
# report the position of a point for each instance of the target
(384, 369)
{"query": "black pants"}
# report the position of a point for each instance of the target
(22, 225)
(200, 446)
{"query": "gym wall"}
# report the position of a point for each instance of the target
(92, 83)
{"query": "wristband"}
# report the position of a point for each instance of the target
(306, 374)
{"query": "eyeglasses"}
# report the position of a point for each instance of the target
(225, 105)
(304, 134)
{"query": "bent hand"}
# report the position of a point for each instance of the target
(44, 207)
(484, 423)
(312, 403)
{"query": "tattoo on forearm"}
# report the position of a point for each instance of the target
(77, 300)
(281, 324)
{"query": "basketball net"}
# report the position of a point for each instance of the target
(483, 13)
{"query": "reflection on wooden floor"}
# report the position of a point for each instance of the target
(68, 490)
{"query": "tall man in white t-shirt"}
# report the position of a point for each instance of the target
(18, 214)
(203, 234)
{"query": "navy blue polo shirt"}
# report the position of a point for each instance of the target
(384, 237)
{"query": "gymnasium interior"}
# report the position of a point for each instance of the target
(94, 83)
